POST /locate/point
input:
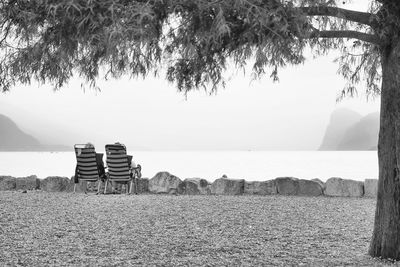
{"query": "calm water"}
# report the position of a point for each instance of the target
(250, 165)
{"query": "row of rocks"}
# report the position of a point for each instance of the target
(166, 183)
(57, 184)
(51, 184)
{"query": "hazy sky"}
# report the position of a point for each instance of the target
(291, 114)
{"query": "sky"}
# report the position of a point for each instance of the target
(150, 114)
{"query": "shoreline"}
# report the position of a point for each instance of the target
(252, 166)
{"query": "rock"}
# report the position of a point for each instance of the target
(24, 191)
(320, 182)
(310, 188)
(225, 186)
(27, 183)
(142, 185)
(164, 183)
(338, 187)
(94, 186)
(119, 188)
(80, 187)
(71, 185)
(109, 187)
(7, 183)
(298, 187)
(260, 188)
(371, 188)
(91, 187)
(55, 184)
(287, 185)
(195, 186)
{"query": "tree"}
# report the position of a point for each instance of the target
(195, 41)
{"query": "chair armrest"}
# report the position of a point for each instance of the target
(137, 171)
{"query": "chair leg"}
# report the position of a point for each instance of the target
(98, 187)
(105, 187)
(136, 187)
(113, 186)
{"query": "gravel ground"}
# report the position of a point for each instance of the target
(66, 229)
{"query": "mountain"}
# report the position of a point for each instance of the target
(12, 138)
(363, 135)
(340, 121)
(347, 130)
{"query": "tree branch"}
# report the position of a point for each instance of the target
(355, 16)
(370, 38)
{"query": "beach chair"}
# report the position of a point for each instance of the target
(119, 169)
(89, 167)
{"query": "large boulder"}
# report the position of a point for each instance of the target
(321, 183)
(55, 184)
(142, 185)
(298, 187)
(287, 185)
(371, 188)
(225, 186)
(338, 187)
(27, 183)
(195, 186)
(164, 183)
(7, 183)
(260, 188)
(310, 188)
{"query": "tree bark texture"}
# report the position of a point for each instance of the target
(386, 235)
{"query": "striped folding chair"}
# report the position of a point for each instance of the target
(89, 167)
(119, 166)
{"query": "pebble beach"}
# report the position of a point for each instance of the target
(65, 229)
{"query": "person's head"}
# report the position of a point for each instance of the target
(89, 145)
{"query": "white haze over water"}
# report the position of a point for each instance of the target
(150, 115)
(248, 165)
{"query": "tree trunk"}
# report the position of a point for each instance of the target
(386, 236)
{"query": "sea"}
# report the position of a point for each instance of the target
(210, 165)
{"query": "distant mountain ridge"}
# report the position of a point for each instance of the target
(12, 138)
(363, 135)
(348, 130)
(340, 121)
